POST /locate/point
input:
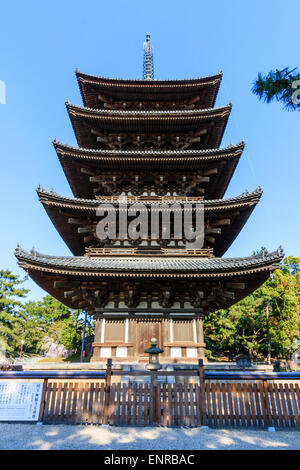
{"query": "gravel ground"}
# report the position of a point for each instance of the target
(50, 437)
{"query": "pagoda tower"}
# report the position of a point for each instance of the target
(144, 145)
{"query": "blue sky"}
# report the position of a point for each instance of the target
(42, 43)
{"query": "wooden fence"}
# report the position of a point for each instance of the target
(251, 403)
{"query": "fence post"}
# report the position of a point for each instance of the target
(156, 398)
(267, 405)
(108, 373)
(202, 393)
(107, 391)
(43, 401)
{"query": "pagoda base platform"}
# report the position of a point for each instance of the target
(145, 360)
(130, 366)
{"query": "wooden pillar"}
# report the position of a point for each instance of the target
(97, 339)
(200, 338)
(98, 330)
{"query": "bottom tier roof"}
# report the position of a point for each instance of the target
(155, 285)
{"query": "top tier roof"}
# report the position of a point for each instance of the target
(198, 92)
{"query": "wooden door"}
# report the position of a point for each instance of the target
(145, 331)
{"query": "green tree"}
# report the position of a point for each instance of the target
(49, 310)
(280, 295)
(280, 85)
(264, 324)
(42, 318)
(32, 321)
(71, 332)
(50, 318)
(12, 317)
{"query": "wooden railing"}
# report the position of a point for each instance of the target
(248, 399)
(145, 199)
(149, 251)
(90, 251)
(203, 252)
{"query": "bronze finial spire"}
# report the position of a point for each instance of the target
(148, 67)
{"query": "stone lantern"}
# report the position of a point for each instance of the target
(153, 352)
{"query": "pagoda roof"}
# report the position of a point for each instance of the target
(199, 267)
(60, 209)
(149, 155)
(49, 271)
(73, 159)
(91, 85)
(91, 204)
(147, 122)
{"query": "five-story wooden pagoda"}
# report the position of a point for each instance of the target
(151, 142)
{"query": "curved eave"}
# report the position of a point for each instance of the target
(101, 161)
(45, 270)
(146, 84)
(101, 266)
(181, 115)
(60, 209)
(102, 155)
(84, 119)
(53, 198)
(162, 90)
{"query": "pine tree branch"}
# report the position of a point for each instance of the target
(279, 85)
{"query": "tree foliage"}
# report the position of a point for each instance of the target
(53, 320)
(29, 323)
(11, 312)
(267, 321)
(280, 85)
